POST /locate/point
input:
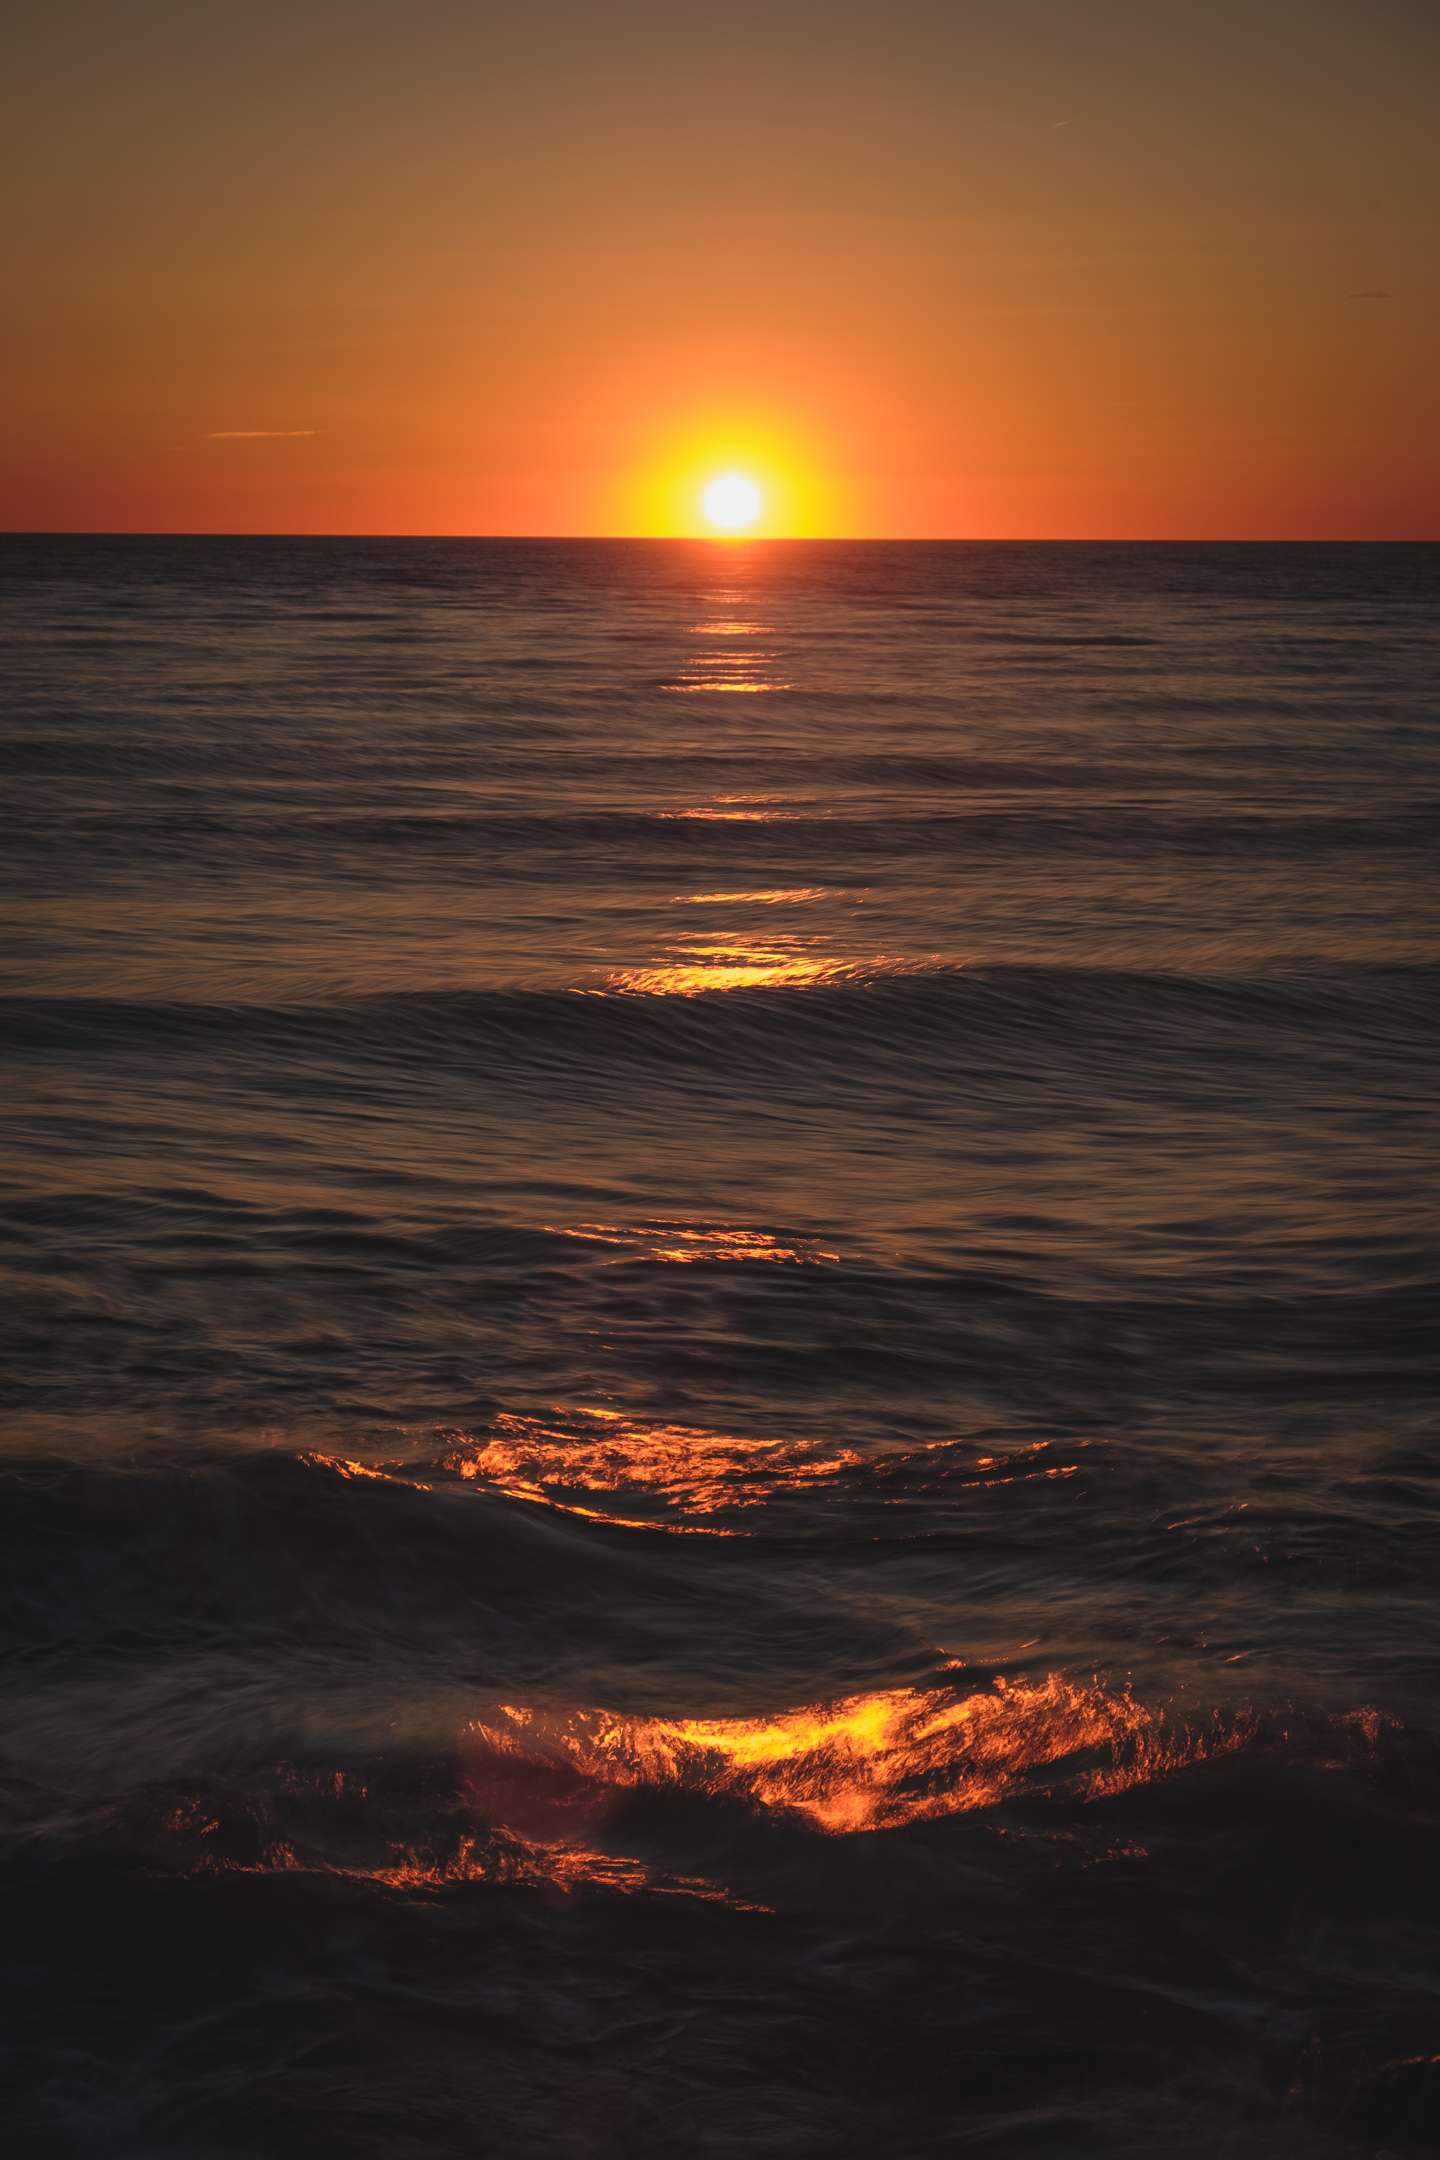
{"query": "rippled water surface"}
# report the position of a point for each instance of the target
(720, 1357)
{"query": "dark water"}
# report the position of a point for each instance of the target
(719, 1359)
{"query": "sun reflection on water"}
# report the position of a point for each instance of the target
(499, 1857)
(599, 1450)
(765, 896)
(689, 1243)
(733, 967)
(740, 666)
(736, 810)
(539, 1796)
(863, 1763)
(739, 959)
(552, 1458)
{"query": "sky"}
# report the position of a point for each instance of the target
(954, 268)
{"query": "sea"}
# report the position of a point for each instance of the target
(719, 1350)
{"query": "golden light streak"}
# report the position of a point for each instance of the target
(765, 896)
(599, 1450)
(859, 1764)
(688, 1243)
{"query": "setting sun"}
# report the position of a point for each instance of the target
(731, 501)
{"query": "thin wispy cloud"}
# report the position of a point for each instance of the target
(260, 434)
(1370, 292)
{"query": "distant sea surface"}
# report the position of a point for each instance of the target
(720, 1349)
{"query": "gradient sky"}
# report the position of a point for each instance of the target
(989, 267)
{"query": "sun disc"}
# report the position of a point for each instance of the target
(731, 501)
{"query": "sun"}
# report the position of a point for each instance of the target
(731, 501)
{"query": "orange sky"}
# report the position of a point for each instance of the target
(936, 267)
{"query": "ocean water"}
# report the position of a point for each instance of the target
(719, 1349)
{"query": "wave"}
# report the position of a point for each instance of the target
(547, 1545)
(703, 840)
(337, 1954)
(882, 1016)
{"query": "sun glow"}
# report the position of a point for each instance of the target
(740, 473)
(731, 501)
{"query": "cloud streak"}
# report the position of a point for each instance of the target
(260, 434)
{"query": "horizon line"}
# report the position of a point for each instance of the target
(731, 540)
